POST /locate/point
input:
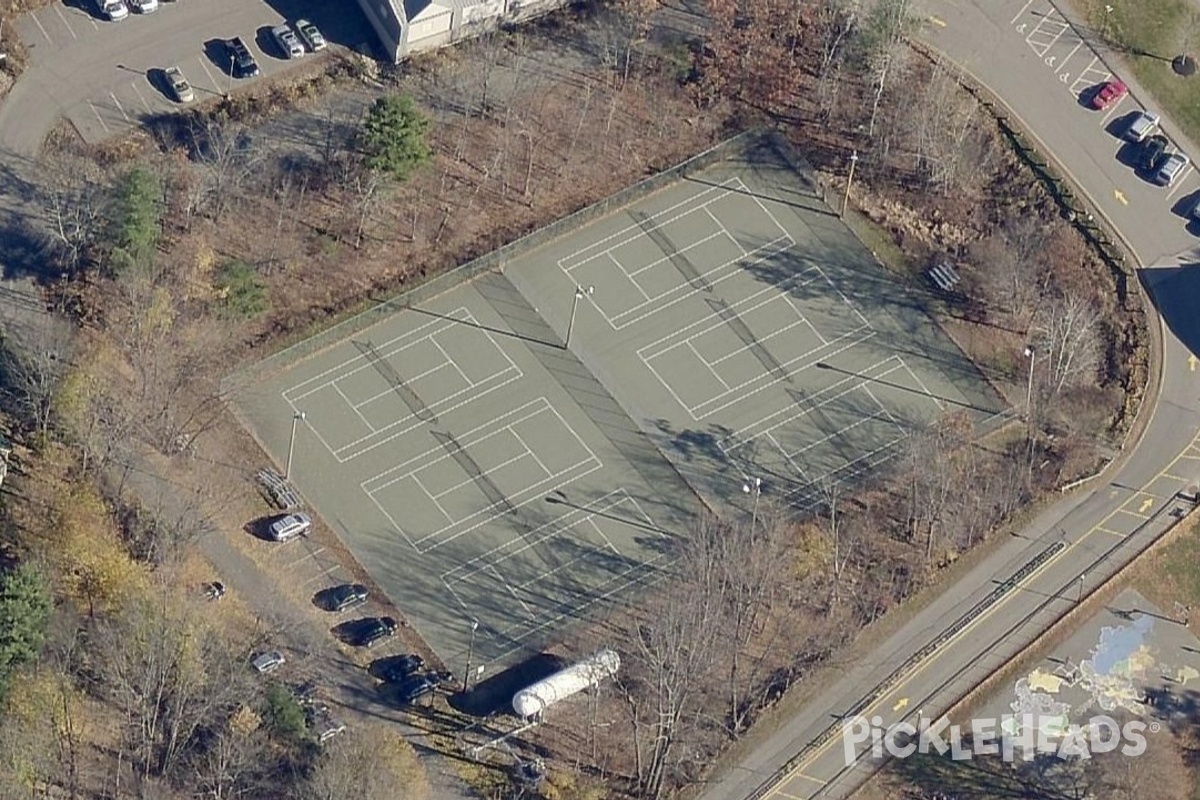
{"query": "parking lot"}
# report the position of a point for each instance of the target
(105, 76)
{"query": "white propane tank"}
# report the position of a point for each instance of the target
(533, 700)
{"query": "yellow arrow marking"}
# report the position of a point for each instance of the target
(1192, 361)
(1120, 197)
(1113, 493)
(902, 703)
(937, 22)
(1149, 501)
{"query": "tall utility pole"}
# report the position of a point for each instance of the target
(470, 653)
(287, 470)
(580, 292)
(849, 180)
(755, 487)
(1031, 354)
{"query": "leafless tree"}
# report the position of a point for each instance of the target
(881, 41)
(32, 371)
(75, 198)
(1067, 342)
(835, 21)
(229, 155)
(1012, 265)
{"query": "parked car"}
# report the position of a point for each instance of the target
(144, 6)
(1152, 152)
(1144, 124)
(347, 596)
(418, 686)
(323, 725)
(269, 661)
(287, 41)
(395, 670)
(113, 10)
(180, 88)
(311, 36)
(307, 694)
(1110, 93)
(1171, 168)
(241, 60)
(369, 631)
(289, 526)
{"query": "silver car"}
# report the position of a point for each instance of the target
(269, 661)
(179, 85)
(1171, 168)
(287, 41)
(1144, 124)
(289, 527)
(311, 36)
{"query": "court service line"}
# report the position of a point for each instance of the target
(353, 408)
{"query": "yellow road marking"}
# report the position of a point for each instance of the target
(1120, 197)
(1114, 533)
(902, 703)
(1169, 476)
(1192, 361)
(1149, 501)
(937, 22)
(822, 749)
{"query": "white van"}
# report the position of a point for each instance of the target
(113, 9)
(287, 528)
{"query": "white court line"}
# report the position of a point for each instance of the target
(1013, 21)
(70, 30)
(470, 481)
(410, 380)
(451, 362)
(707, 365)
(530, 451)
(787, 457)
(624, 272)
(99, 118)
(475, 435)
(749, 433)
(141, 97)
(289, 393)
(638, 233)
(644, 570)
(891, 417)
(421, 485)
(41, 27)
(724, 230)
(666, 259)
(353, 408)
(683, 291)
(119, 106)
(517, 597)
(937, 400)
(600, 532)
(555, 527)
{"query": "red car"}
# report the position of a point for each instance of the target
(1109, 93)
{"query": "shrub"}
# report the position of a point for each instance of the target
(240, 290)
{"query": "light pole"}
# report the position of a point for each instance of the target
(296, 417)
(1031, 354)
(849, 180)
(229, 91)
(755, 487)
(580, 292)
(1082, 577)
(470, 652)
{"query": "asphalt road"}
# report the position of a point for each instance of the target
(993, 612)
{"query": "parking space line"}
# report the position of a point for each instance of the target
(141, 97)
(99, 118)
(1068, 58)
(1179, 183)
(305, 557)
(70, 30)
(1024, 8)
(208, 72)
(41, 27)
(119, 107)
(1114, 533)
